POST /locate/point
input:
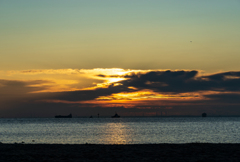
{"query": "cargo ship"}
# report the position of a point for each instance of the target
(116, 116)
(62, 116)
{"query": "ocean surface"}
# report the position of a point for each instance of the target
(121, 131)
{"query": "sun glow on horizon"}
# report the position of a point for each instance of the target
(70, 80)
(145, 95)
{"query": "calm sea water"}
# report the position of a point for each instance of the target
(121, 131)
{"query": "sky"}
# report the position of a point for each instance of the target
(136, 58)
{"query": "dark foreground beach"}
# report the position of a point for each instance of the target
(142, 152)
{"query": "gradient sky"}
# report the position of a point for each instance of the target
(60, 48)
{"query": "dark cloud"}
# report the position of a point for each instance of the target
(112, 76)
(89, 94)
(101, 75)
(225, 98)
(184, 81)
(20, 88)
(159, 81)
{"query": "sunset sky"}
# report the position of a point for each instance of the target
(132, 57)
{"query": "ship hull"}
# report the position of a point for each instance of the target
(61, 116)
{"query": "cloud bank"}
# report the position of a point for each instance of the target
(181, 92)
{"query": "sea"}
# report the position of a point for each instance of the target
(142, 130)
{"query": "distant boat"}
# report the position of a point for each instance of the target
(116, 116)
(204, 114)
(62, 116)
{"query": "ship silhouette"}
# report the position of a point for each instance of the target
(62, 116)
(116, 116)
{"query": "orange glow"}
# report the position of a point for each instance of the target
(139, 100)
(147, 94)
(143, 100)
(59, 80)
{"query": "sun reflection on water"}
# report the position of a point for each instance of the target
(116, 133)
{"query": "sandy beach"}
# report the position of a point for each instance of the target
(141, 152)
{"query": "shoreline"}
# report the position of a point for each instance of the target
(128, 152)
